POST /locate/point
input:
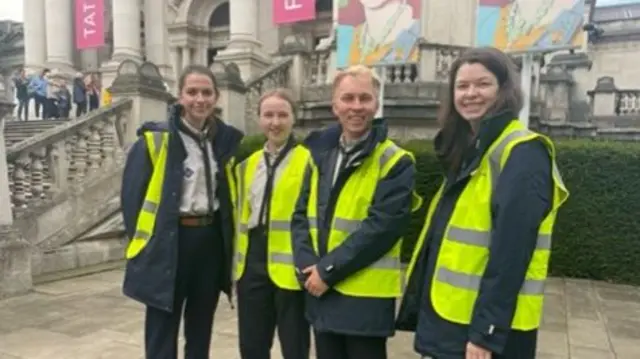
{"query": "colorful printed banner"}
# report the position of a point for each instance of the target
(290, 11)
(89, 18)
(387, 33)
(530, 25)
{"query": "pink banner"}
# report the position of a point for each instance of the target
(89, 17)
(289, 11)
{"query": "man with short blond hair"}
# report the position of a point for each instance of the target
(351, 213)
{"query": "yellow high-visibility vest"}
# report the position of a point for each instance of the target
(382, 279)
(464, 252)
(286, 187)
(157, 145)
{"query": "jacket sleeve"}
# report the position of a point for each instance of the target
(522, 199)
(388, 218)
(303, 253)
(135, 179)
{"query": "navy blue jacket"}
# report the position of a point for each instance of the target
(521, 200)
(389, 216)
(150, 276)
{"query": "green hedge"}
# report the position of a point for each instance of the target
(597, 233)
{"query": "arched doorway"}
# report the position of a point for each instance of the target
(218, 31)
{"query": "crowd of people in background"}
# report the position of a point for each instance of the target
(52, 96)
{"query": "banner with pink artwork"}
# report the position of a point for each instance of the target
(290, 11)
(89, 19)
(378, 32)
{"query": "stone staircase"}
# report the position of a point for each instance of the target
(64, 178)
(17, 131)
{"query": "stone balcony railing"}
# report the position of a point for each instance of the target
(57, 160)
(435, 61)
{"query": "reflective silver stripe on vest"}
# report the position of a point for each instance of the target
(386, 155)
(149, 206)
(273, 226)
(239, 257)
(496, 155)
(339, 224)
(483, 238)
(157, 142)
(346, 225)
(280, 226)
(140, 234)
(472, 282)
(242, 227)
(282, 258)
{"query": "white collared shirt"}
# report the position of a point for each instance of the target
(259, 184)
(194, 199)
(347, 146)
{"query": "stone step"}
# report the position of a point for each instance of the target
(16, 131)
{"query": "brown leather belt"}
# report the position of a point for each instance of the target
(196, 221)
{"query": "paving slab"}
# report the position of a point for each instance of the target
(89, 318)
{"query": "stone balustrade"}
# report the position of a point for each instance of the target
(65, 156)
(435, 62)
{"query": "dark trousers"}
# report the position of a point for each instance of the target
(23, 109)
(340, 346)
(49, 109)
(81, 108)
(263, 307)
(39, 104)
(198, 283)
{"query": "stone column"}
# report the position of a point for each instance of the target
(59, 25)
(157, 39)
(126, 38)
(243, 28)
(186, 56)
(35, 34)
(126, 30)
(244, 48)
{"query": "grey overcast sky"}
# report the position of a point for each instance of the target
(12, 9)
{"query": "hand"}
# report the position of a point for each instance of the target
(314, 284)
(476, 352)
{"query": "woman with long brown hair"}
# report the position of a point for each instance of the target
(476, 279)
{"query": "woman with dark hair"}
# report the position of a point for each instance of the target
(178, 194)
(476, 279)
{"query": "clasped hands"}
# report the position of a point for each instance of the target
(314, 283)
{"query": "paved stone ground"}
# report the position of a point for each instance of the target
(88, 318)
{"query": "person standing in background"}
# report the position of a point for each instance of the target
(79, 94)
(38, 86)
(21, 84)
